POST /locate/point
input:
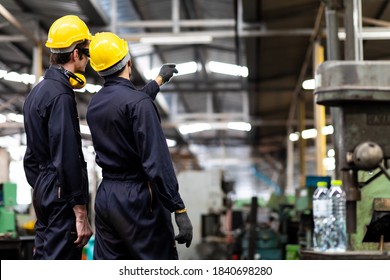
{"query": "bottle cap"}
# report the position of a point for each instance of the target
(322, 184)
(336, 182)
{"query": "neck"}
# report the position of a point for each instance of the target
(68, 66)
(126, 73)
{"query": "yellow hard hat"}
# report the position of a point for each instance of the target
(65, 33)
(109, 53)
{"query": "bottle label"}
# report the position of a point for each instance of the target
(321, 208)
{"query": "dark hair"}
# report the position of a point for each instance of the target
(62, 58)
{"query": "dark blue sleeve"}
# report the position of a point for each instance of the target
(31, 167)
(154, 153)
(151, 89)
(65, 144)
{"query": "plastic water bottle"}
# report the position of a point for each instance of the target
(337, 221)
(321, 214)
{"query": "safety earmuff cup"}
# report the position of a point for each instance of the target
(77, 80)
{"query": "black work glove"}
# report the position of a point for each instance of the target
(185, 229)
(166, 71)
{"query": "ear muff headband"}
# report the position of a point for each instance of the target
(76, 80)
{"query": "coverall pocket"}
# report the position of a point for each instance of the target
(45, 189)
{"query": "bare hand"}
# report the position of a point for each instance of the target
(83, 228)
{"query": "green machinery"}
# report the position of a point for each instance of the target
(358, 94)
(7, 213)
(373, 213)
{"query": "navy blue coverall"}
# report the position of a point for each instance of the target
(54, 165)
(139, 189)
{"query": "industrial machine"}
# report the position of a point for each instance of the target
(358, 94)
(267, 245)
(206, 207)
(13, 245)
(7, 213)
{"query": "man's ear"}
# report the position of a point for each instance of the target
(73, 55)
(80, 55)
(76, 55)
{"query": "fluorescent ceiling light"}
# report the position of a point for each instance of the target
(137, 49)
(198, 127)
(242, 126)
(16, 117)
(331, 153)
(182, 68)
(311, 133)
(193, 128)
(3, 118)
(9, 142)
(188, 68)
(16, 77)
(92, 88)
(3, 73)
(171, 143)
(152, 73)
(330, 163)
(228, 69)
(176, 40)
(294, 136)
(309, 84)
(327, 130)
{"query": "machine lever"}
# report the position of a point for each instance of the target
(384, 171)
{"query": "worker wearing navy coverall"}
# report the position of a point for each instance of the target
(139, 190)
(54, 163)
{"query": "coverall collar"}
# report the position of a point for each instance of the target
(54, 73)
(112, 81)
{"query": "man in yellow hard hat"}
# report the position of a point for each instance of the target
(139, 190)
(54, 163)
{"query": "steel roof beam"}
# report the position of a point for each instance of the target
(13, 38)
(12, 20)
(94, 12)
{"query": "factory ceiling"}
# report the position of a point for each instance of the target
(273, 42)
